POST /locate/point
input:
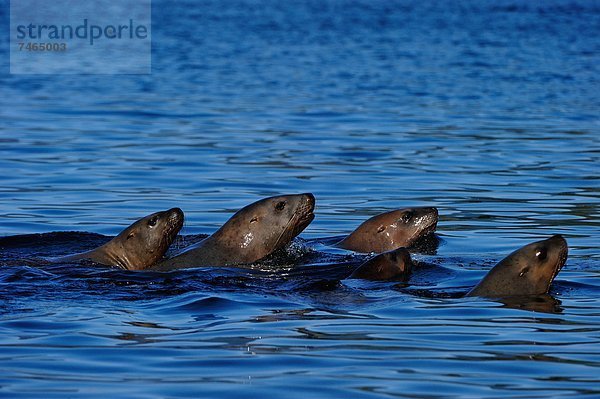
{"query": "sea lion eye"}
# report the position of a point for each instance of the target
(131, 235)
(254, 219)
(541, 254)
(406, 217)
(524, 272)
(152, 222)
(280, 205)
(381, 229)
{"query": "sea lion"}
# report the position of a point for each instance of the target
(138, 246)
(251, 234)
(527, 271)
(391, 230)
(391, 265)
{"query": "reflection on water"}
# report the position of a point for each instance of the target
(486, 110)
(216, 325)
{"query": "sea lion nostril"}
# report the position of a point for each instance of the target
(306, 206)
(559, 239)
(309, 198)
(175, 214)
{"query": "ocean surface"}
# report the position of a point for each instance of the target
(487, 110)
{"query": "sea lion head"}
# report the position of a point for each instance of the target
(391, 265)
(264, 226)
(527, 271)
(391, 230)
(145, 241)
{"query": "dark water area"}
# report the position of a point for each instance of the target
(486, 110)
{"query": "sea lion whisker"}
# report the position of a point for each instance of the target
(286, 230)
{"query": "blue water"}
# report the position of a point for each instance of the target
(486, 110)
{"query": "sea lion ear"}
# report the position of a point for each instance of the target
(524, 271)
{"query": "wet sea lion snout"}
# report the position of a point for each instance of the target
(302, 216)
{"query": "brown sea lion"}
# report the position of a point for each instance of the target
(138, 246)
(391, 230)
(251, 234)
(391, 265)
(528, 271)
